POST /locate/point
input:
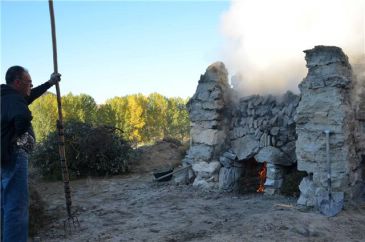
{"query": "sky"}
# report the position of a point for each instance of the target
(114, 48)
(119, 47)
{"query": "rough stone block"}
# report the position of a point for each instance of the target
(225, 161)
(273, 183)
(273, 155)
(205, 167)
(274, 172)
(230, 155)
(200, 152)
(206, 136)
(245, 147)
(229, 178)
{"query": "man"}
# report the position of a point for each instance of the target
(17, 141)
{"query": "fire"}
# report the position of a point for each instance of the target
(262, 178)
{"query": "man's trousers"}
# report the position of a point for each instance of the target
(14, 198)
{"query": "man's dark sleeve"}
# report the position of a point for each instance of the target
(22, 118)
(22, 124)
(37, 92)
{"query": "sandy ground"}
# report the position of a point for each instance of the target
(134, 208)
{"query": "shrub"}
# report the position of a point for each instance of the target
(90, 151)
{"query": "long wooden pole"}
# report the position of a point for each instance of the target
(61, 136)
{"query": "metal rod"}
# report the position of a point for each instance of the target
(171, 173)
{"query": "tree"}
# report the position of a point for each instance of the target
(135, 117)
(45, 115)
(143, 119)
(178, 118)
(105, 115)
(79, 108)
(156, 113)
(118, 106)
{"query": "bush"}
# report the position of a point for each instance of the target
(90, 151)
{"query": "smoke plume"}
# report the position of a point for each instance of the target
(265, 39)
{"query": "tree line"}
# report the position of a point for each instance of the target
(143, 119)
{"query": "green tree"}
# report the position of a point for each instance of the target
(79, 108)
(45, 115)
(105, 115)
(118, 106)
(156, 117)
(178, 118)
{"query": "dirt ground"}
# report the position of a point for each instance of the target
(135, 208)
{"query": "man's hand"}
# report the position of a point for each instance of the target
(55, 77)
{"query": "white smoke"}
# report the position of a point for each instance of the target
(265, 39)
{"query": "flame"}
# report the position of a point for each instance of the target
(262, 178)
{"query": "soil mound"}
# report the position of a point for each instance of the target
(162, 155)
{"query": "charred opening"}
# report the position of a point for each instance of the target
(253, 177)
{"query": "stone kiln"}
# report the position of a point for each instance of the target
(233, 138)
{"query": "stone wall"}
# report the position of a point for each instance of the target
(359, 107)
(326, 104)
(263, 128)
(228, 133)
(208, 113)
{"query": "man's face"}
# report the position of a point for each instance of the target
(24, 84)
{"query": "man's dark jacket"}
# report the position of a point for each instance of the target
(16, 117)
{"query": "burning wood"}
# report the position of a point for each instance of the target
(262, 178)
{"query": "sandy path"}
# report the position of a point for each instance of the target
(133, 208)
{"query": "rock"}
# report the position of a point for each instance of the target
(187, 161)
(230, 155)
(274, 172)
(274, 131)
(239, 132)
(270, 191)
(263, 140)
(214, 124)
(226, 162)
(200, 152)
(325, 55)
(205, 167)
(203, 184)
(206, 115)
(245, 147)
(184, 177)
(217, 72)
(229, 178)
(213, 105)
(307, 193)
(273, 183)
(206, 136)
(289, 150)
(273, 155)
